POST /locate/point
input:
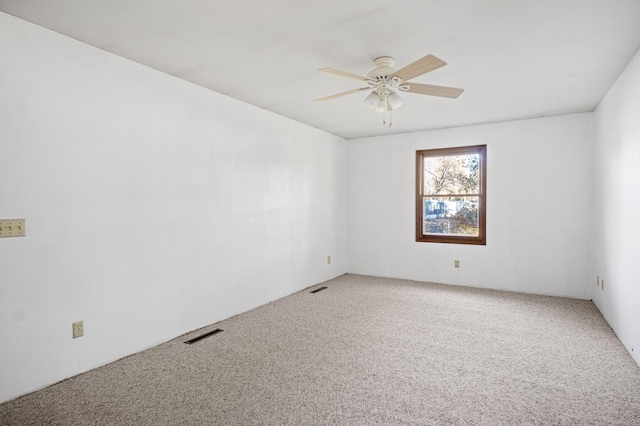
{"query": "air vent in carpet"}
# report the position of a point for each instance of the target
(318, 289)
(203, 336)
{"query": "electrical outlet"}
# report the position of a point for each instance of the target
(456, 263)
(328, 260)
(78, 329)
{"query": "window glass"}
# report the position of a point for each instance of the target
(450, 195)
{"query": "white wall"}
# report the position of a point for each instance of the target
(538, 201)
(616, 242)
(153, 206)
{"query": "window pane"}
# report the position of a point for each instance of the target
(455, 174)
(451, 215)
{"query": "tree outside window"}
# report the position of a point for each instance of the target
(450, 195)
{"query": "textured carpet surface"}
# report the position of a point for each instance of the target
(366, 351)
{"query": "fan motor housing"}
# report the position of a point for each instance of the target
(384, 68)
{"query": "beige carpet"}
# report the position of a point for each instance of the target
(366, 351)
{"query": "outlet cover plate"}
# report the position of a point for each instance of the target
(78, 329)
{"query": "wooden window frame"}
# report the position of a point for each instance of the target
(481, 238)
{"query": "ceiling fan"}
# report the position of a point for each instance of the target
(385, 82)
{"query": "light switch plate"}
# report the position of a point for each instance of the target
(13, 228)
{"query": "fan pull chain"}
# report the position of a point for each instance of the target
(386, 109)
(384, 112)
(384, 117)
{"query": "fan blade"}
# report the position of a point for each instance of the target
(427, 89)
(338, 95)
(419, 67)
(339, 73)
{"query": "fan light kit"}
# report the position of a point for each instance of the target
(385, 82)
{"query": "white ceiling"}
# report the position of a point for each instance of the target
(514, 58)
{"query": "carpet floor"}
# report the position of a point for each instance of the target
(366, 351)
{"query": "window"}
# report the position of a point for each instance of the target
(451, 195)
